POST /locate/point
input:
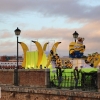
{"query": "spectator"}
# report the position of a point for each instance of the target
(76, 76)
(51, 52)
(59, 75)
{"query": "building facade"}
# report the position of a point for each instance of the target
(10, 62)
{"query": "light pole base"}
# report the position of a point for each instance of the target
(16, 83)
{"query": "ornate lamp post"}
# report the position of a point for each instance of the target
(17, 33)
(75, 35)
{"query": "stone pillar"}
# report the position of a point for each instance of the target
(34, 77)
(98, 80)
(47, 77)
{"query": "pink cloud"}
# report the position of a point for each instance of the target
(5, 34)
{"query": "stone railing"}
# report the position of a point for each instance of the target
(26, 77)
(33, 86)
(31, 77)
(32, 93)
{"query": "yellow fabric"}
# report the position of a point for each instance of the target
(32, 59)
(25, 49)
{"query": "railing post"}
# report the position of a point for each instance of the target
(47, 76)
(71, 78)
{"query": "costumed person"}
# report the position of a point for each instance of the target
(51, 53)
(90, 59)
(96, 60)
(53, 59)
(76, 49)
(79, 47)
(68, 64)
(76, 76)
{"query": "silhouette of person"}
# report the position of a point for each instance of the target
(76, 76)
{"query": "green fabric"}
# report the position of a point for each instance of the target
(88, 70)
(68, 73)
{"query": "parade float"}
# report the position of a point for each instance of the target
(34, 59)
(38, 59)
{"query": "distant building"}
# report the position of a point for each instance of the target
(10, 62)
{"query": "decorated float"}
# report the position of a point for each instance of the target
(35, 59)
(87, 65)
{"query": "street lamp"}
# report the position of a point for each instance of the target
(17, 33)
(75, 35)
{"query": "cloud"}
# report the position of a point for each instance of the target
(7, 47)
(7, 44)
(90, 32)
(45, 33)
(68, 8)
(5, 34)
(72, 9)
